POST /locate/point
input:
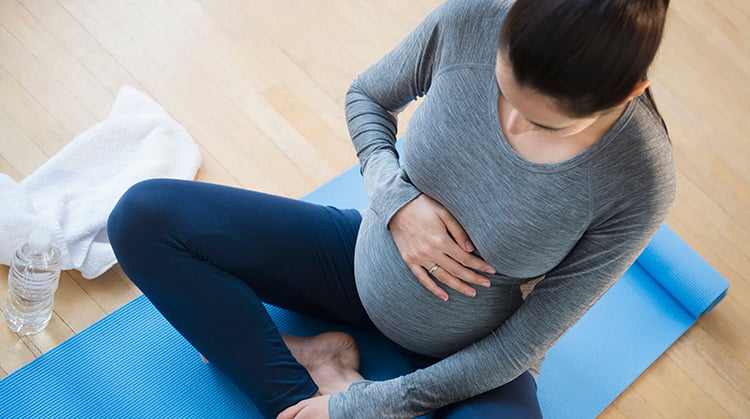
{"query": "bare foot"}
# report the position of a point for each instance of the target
(331, 358)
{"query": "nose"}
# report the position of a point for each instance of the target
(517, 124)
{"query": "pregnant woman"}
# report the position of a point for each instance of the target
(533, 174)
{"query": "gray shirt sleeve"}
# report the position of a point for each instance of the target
(370, 106)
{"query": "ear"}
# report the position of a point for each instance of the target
(638, 90)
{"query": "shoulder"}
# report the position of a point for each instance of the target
(636, 172)
(469, 8)
(469, 30)
(465, 15)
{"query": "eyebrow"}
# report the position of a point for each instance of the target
(500, 92)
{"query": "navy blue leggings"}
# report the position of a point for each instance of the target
(207, 256)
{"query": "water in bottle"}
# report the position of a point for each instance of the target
(32, 282)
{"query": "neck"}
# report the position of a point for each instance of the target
(545, 147)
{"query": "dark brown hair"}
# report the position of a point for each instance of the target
(588, 55)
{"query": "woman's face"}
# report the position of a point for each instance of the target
(527, 110)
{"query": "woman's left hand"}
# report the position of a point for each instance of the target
(312, 408)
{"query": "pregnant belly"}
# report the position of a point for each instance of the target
(411, 316)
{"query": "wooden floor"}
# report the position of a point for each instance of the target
(260, 85)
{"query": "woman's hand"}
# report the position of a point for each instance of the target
(432, 242)
(312, 408)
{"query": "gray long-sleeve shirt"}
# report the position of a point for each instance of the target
(581, 222)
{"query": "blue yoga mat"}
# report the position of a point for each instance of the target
(133, 364)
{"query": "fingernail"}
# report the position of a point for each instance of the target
(486, 284)
(444, 297)
(469, 246)
(472, 293)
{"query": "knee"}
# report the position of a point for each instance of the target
(139, 212)
(516, 399)
(469, 410)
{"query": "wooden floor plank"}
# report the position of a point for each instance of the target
(74, 305)
(31, 118)
(250, 105)
(69, 32)
(18, 150)
(55, 58)
(633, 405)
(31, 73)
(689, 355)
(683, 388)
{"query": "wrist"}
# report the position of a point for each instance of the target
(396, 217)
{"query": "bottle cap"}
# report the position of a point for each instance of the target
(40, 240)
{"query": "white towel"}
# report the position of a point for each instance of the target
(73, 193)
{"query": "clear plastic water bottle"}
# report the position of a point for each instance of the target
(32, 282)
